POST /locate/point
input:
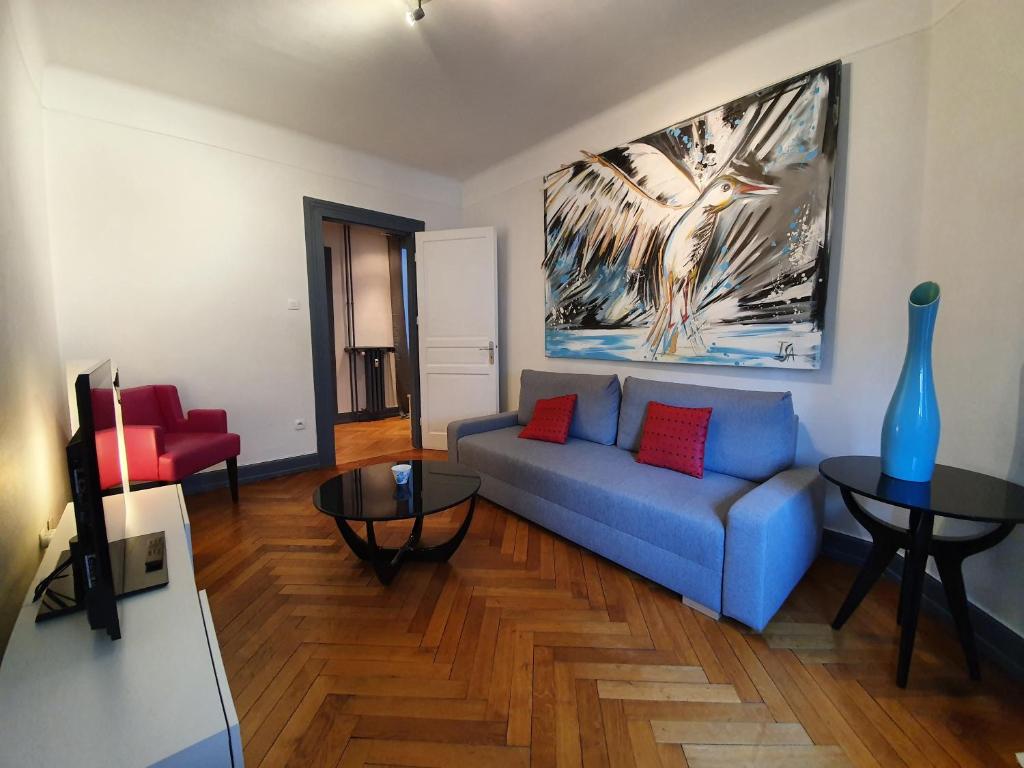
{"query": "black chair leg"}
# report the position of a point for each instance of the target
(233, 478)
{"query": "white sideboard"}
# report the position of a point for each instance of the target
(157, 696)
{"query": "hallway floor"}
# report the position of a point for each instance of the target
(383, 440)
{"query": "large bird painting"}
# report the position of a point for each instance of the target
(706, 242)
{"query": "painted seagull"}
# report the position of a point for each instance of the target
(687, 245)
(634, 236)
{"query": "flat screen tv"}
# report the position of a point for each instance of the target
(93, 572)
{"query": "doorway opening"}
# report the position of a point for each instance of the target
(362, 301)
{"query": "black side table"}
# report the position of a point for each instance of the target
(952, 492)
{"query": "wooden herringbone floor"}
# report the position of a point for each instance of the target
(362, 441)
(528, 650)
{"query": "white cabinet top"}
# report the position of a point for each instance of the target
(71, 696)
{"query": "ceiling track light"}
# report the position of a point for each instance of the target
(416, 14)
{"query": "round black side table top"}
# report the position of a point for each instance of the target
(370, 493)
(952, 492)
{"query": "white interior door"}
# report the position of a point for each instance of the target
(457, 292)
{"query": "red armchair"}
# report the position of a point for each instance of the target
(163, 445)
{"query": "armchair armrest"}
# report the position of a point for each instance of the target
(474, 426)
(772, 536)
(143, 445)
(205, 420)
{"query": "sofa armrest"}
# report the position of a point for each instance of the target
(772, 536)
(205, 420)
(466, 427)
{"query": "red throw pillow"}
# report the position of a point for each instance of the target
(674, 438)
(551, 419)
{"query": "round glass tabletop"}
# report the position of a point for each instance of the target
(952, 492)
(370, 493)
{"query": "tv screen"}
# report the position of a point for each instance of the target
(95, 572)
(94, 396)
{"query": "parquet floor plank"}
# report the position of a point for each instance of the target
(567, 719)
(257, 702)
(520, 709)
(766, 687)
(690, 621)
(263, 728)
(324, 742)
(644, 747)
(593, 745)
(918, 734)
(734, 670)
(616, 734)
(500, 689)
(527, 650)
(542, 727)
(661, 636)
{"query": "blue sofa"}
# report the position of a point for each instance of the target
(736, 541)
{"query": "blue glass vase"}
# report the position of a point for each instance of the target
(910, 433)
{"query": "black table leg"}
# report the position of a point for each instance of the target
(903, 580)
(885, 541)
(915, 517)
(883, 549)
(387, 561)
(442, 552)
(951, 573)
(950, 554)
(360, 548)
(917, 558)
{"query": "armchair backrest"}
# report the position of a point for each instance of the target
(103, 408)
(155, 405)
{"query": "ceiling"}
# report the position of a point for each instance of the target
(474, 83)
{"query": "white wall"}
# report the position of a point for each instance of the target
(877, 253)
(371, 287)
(177, 237)
(33, 411)
(874, 233)
(971, 244)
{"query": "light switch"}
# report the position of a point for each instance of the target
(293, 303)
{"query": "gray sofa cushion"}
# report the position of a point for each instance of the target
(596, 416)
(751, 435)
(672, 511)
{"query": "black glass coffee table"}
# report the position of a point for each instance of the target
(952, 492)
(370, 495)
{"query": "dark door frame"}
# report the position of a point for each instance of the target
(325, 384)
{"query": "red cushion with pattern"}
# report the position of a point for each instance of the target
(674, 438)
(551, 419)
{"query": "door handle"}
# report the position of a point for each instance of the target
(490, 350)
